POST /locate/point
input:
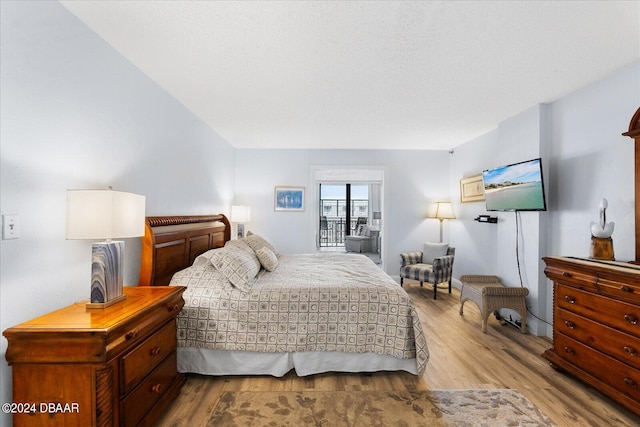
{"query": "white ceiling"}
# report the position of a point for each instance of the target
(367, 74)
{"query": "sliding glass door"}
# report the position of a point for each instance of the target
(340, 207)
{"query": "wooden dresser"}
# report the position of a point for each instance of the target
(97, 367)
(596, 325)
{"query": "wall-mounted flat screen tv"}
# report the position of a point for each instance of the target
(515, 187)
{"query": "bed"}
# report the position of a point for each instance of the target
(313, 313)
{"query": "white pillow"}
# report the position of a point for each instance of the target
(433, 250)
(267, 258)
(237, 266)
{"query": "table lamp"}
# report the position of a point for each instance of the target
(377, 216)
(240, 214)
(105, 214)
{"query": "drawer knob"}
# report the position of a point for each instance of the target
(156, 388)
(569, 324)
(629, 382)
(624, 288)
(566, 274)
(173, 307)
(630, 318)
(155, 351)
(630, 350)
(570, 299)
(132, 334)
(569, 350)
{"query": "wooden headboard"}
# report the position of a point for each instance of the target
(171, 243)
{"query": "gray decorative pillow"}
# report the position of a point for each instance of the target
(237, 266)
(256, 242)
(267, 258)
(363, 230)
(433, 250)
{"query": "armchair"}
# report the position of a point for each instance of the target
(361, 240)
(433, 265)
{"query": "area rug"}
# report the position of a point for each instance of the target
(494, 408)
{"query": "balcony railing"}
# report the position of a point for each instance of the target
(333, 219)
(332, 230)
(336, 208)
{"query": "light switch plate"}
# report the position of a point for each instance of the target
(10, 227)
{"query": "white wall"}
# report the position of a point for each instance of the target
(76, 114)
(413, 180)
(487, 248)
(584, 159)
(589, 160)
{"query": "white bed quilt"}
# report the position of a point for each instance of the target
(310, 302)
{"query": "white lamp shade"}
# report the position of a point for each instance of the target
(240, 213)
(443, 210)
(104, 214)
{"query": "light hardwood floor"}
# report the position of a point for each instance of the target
(461, 357)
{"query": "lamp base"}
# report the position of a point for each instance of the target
(106, 272)
(106, 304)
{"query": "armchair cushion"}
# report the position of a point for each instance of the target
(420, 272)
(433, 250)
(357, 243)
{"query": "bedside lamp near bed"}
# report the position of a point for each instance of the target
(240, 214)
(105, 214)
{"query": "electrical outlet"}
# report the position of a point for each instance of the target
(10, 228)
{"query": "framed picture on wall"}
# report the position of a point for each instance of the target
(289, 199)
(471, 189)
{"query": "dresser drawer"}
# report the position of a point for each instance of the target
(619, 376)
(626, 291)
(616, 314)
(571, 277)
(136, 405)
(132, 333)
(617, 344)
(144, 358)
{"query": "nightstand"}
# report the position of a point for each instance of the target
(98, 367)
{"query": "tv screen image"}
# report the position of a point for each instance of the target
(515, 187)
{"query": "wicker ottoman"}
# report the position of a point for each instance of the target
(490, 295)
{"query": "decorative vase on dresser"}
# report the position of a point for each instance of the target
(81, 366)
(596, 325)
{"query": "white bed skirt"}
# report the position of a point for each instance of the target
(222, 362)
